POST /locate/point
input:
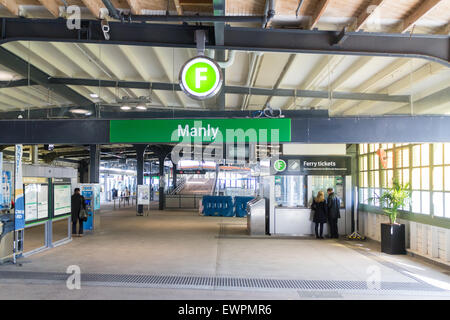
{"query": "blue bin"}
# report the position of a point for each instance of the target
(218, 206)
(240, 205)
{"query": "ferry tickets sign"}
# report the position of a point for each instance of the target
(263, 130)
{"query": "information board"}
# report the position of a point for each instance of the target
(31, 209)
(42, 201)
(311, 165)
(143, 194)
(62, 199)
(6, 190)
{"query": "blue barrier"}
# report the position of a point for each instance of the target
(240, 205)
(218, 206)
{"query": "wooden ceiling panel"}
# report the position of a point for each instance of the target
(250, 7)
(288, 7)
(398, 9)
(154, 5)
(348, 9)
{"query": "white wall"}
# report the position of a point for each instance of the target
(422, 239)
(313, 149)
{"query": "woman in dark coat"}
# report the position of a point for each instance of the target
(78, 202)
(320, 208)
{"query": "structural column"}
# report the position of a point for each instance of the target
(162, 181)
(94, 165)
(140, 150)
(174, 176)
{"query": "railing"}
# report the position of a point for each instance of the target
(182, 201)
(125, 201)
(180, 186)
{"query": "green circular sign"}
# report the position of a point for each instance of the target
(279, 165)
(201, 78)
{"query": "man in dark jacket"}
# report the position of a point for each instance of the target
(334, 204)
(76, 205)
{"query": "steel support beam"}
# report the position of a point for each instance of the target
(94, 163)
(431, 47)
(385, 129)
(220, 100)
(140, 150)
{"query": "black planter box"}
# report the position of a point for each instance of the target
(393, 238)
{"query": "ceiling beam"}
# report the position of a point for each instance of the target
(431, 47)
(321, 6)
(318, 75)
(52, 6)
(428, 105)
(177, 6)
(345, 75)
(425, 7)
(231, 89)
(95, 7)
(25, 69)
(135, 6)
(404, 83)
(340, 106)
(11, 6)
(367, 13)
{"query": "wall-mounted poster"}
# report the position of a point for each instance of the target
(6, 190)
(97, 197)
(31, 211)
(42, 201)
(143, 194)
(62, 197)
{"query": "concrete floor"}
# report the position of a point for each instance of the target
(184, 243)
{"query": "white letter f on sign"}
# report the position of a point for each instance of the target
(199, 77)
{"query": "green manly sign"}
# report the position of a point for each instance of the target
(201, 78)
(204, 130)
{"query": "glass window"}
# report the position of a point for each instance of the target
(438, 204)
(390, 178)
(425, 155)
(438, 177)
(447, 205)
(405, 158)
(425, 178)
(415, 184)
(415, 201)
(447, 153)
(377, 179)
(416, 156)
(390, 160)
(425, 202)
(438, 153)
(447, 178)
(290, 191)
(405, 176)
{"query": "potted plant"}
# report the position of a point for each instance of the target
(393, 233)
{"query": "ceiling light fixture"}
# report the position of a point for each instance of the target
(94, 95)
(81, 111)
(125, 107)
(141, 107)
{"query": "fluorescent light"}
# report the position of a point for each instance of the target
(93, 95)
(8, 76)
(80, 111)
(141, 107)
(125, 107)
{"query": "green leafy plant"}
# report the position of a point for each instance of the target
(394, 198)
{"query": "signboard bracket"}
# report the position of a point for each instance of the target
(200, 39)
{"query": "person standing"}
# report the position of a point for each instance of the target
(320, 208)
(334, 205)
(76, 204)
